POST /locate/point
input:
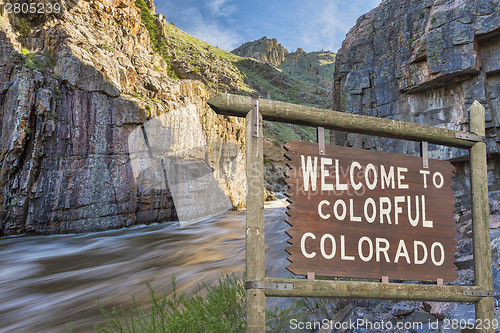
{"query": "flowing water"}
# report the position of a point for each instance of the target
(48, 281)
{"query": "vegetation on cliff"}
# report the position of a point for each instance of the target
(158, 44)
(223, 71)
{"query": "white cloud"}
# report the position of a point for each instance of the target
(213, 34)
(221, 7)
(204, 24)
(325, 24)
(210, 30)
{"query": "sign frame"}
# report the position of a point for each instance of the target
(482, 291)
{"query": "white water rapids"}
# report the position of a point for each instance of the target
(48, 281)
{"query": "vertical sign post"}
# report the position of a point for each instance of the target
(480, 217)
(255, 246)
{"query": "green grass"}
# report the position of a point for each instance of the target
(23, 26)
(222, 309)
(157, 42)
(210, 62)
(39, 61)
(277, 85)
(311, 67)
(283, 133)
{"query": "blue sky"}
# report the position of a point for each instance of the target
(310, 24)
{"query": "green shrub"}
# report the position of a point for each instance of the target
(278, 320)
(157, 42)
(40, 61)
(222, 309)
(23, 26)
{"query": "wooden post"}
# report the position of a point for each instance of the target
(480, 216)
(255, 246)
(235, 105)
(373, 290)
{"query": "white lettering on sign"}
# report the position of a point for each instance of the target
(358, 213)
(394, 178)
(441, 179)
(338, 186)
(325, 173)
(402, 252)
(401, 178)
(355, 186)
(416, 259)
(322, 246)
(320, 212)
(303, 245)
(360, 248)
(435, 176)
(387, 179)
(308, 171)
(388, 209)
(366, 247)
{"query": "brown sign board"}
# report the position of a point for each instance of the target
(366, 214)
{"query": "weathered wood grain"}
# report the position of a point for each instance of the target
(372, 290)
(237, 105)
(304, 216)
(480, 215)
(255, 243)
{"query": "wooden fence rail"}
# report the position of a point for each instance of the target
(236, 105)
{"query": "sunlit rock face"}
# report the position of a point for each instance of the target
(72, 92)
(264, 49)
(424, 62)
(170, 152)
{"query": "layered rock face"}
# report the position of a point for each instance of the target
(424, 62)
(314, 67)
(264, 49)
(73, 89)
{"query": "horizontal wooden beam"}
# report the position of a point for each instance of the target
(372, 290)
(239, 106)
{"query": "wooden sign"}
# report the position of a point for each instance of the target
(366, 214)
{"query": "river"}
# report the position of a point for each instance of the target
(49, 281)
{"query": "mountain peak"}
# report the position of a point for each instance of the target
(263, 49)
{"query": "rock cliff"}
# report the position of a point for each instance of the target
(424, 62)
(74, 87)
(264, 49)
(314, 67)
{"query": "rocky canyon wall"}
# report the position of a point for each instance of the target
(73, 88)
(425, 62)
